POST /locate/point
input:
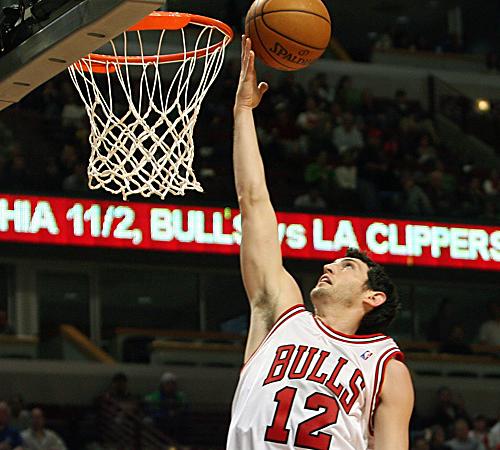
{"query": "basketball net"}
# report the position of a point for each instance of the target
(147, 147)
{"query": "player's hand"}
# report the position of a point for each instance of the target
(249, 93)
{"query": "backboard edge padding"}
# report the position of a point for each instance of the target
(44, 66)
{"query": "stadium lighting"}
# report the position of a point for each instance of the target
(483, 105)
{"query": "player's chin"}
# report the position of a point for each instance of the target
(319, 291)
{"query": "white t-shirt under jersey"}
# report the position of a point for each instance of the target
(309, 386)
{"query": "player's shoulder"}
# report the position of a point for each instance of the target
(397, 369)
(397, 379)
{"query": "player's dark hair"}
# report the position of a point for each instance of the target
(379, 318)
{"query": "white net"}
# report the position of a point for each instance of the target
(142, 127)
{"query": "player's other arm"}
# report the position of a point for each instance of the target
(392, 417)
(270, 289)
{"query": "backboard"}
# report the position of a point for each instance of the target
(78, 28)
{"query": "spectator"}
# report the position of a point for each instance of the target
(401, 103)
(462, 440)
(455, 343)
(384, 41)
(346, 173)
(73, 113)
(52, 175)
(415, 201)
(420, 443)
(346, 95)
(473, 197)
(37, 437)
(10, 439)
(320, 173)
(19, 416)
(314, 127)
(372, 170)
(425, 151)
(119, 392)
(114, 404)
(480, 430)
(18, 173)
(77, 181)
(347, 136)
(281, 132)
(440, 325)
(448, 410)
(335, 115)
(438, 194)
(491, 185)
(346, 176)
(368, 108)
(167, 407)
(311, 200)
(5, 327)
(51, 101)
(311, 120)
(489, 332)
(5, 135)
(68, 159)
(438, 438)
(320, 88)
(4, 172)
(494, 435)
(291, 92)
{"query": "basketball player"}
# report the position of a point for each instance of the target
(309, 380)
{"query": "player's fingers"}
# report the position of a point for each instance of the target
(248, 42)
(245, 60)
(263, 88)
(249, 72)
(246, 64)
(243, 40)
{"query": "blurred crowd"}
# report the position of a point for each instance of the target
(120, 418)
(398, 37)
(447, 426)
(22, 429)
(327, 147)
(448, 329)
(335, 147)
(451, 427)
(165, 409)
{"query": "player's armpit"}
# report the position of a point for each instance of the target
(271, 290)
(393, 414)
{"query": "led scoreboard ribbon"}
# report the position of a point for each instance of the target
(192, 229)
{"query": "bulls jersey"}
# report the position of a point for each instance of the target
(309, 387)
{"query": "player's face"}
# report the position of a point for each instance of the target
(343, 280)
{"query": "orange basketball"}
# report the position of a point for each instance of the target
(288, 34)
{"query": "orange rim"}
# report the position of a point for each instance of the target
(159, 20)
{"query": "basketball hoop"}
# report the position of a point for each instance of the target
(142, 127)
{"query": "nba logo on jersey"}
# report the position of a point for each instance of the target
(366, 355)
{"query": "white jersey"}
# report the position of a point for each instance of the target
(309, 387)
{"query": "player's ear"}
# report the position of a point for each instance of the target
(375, 298)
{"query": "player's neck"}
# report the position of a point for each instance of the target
(345, 320)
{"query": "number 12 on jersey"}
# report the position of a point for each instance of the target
(279, 433)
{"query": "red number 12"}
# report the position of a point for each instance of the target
(277, 431)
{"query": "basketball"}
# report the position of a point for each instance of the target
(288, 34)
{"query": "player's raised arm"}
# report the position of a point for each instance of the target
(270, 289)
